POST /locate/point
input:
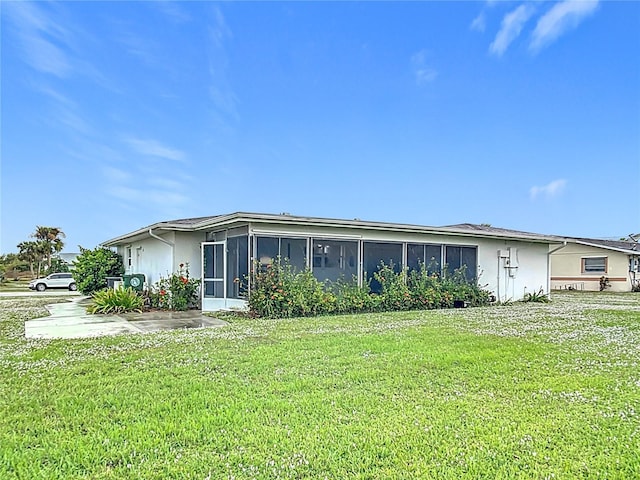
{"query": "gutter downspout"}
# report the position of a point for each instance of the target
(166, 242)
(564, 244)
(151, 234)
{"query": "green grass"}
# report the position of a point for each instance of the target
(522, 391)
(14, 285)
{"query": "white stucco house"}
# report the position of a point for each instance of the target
(221, 249)
(584, 261)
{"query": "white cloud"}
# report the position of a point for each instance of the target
(510, 28)
(421, 70)
(552, 189)
(155, 149)
(479, 24)
(561, 17)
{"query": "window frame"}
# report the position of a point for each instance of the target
(585, 271)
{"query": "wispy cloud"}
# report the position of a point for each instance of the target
(155, 149)
(43, 40)
(562, 17)
(422, 71)
(116, 174)
(221, 94)
(139, 195)
(510, 28)
(479, 24)
(172, 10)
(139, 47)
(552, 189)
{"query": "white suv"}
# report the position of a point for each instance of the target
(55, 280)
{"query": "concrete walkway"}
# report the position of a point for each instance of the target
(70, 320)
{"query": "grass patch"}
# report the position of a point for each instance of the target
(525, 391)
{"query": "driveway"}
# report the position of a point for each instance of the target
(70, 320)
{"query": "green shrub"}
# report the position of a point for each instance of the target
(351, 298)
(120, 300)
(394, 291)
(536, 297)
(426, 289)
(279, 291)
(177, 292)
(92, 267)
(57, 266)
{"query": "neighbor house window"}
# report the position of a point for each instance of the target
(594, 265)
(129, 257)
(458, 257)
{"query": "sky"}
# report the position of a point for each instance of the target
(117, 115)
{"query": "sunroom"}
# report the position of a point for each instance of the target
(228, 256)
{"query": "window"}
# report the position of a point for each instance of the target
(334, 259)
(293, 250)
(428, 255)
(594, 265)
(457, 257)
(129, 256)
(374, 253)
(237, 266)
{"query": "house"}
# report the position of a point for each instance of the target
(221, 249)
(67, 258)
(583, 262)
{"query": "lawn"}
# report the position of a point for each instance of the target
(522, 391)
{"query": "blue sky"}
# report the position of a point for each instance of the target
(524, 115)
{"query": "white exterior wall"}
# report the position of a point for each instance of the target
(566, 269)
(531, 274)
(151, 257)
(188, 251)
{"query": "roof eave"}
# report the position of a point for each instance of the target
(609, 247)
(243, 217)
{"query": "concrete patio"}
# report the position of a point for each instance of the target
(70, 320)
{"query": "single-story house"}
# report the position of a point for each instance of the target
(67, 258)
(582, 263)
(221, 249)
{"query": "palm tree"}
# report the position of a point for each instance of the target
(51, 240)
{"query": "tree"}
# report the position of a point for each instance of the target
(11, 265)
(92, 267)
(32, 252)
(50, 239)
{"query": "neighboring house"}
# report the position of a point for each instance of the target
(582, 263)
(68, 258)
(221, 249)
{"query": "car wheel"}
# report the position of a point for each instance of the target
(41, 287)
(73, 287)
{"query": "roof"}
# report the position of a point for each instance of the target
(219, 221)
(490, 229)
(631, 248)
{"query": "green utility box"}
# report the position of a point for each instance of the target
(135, 281)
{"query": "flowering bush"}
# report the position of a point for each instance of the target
(277, 291)
(176, 292)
